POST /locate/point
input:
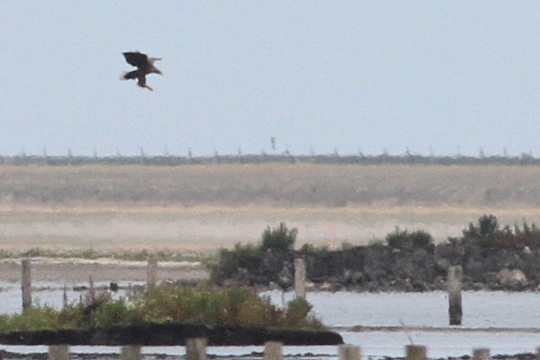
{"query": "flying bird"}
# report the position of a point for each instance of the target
(144, 65)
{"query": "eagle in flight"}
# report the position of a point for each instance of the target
(144, 65)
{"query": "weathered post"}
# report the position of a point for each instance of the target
(454, 295)
(416, 352)
(300, 277)
(130, 352)
(65, 298)
(91, 291)
(481, 354)
(196, 349)
(152, 272)
(273, 350)
(349, 352)
(58, 352)
(26, 283)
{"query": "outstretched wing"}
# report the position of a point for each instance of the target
(136, 59)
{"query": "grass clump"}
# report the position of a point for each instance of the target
(233, 305)
(42, 317)
(211, 306)
(404, 239)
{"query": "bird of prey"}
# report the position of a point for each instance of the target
(144, 65)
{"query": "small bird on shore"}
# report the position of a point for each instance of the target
(144, 65)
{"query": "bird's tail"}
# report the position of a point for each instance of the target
(128, 75)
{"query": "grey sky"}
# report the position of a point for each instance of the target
(315, 74)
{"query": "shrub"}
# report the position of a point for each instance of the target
(420, 238)
(486, 230)
(397, 239)
(403, 239)
(297, 314)
(280, 238)
(307, 249)
(113, 313)
(487, 233)
(246, 257)
(256, 264)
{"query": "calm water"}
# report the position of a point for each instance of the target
(481, 310)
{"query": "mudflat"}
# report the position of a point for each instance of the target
(202, 208)
(78, 272)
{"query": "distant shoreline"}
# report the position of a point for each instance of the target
(74, 272)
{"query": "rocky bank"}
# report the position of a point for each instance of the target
(383, 268)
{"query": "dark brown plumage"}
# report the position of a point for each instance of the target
(144, 65)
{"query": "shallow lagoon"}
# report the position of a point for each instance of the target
(346, 309)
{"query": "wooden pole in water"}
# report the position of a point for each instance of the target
(273, 350)
(58, 352)
(152, 272)
(130, 352)
(455, 312)
(196, 349)
(349, 352)
(26, 283)
(300, 278)
(416, 352)
(481, 354)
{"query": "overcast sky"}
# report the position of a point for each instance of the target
(316, 75)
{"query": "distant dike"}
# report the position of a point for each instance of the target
(263, 157)
(379, 268)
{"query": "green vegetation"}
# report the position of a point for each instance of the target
(263, 262)
(235, 305)
(279, 239)
(403, 239)
(487, 233)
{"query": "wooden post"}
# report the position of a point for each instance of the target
(416, 352)
(58, 352)
(481, 354)
(26, 283)
(92, 290)
(300, 278)
(349, 352)
(65, 298)
(273, 350)
(152, 273)
(196, 349)
(454, 295)
(130, 352)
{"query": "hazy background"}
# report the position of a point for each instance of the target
(454, 76)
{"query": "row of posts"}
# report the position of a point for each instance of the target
(196, 350)
(454, 285)
(26, 282)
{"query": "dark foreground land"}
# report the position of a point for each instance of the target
(170, 334)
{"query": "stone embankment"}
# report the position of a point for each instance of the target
(382, 268)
